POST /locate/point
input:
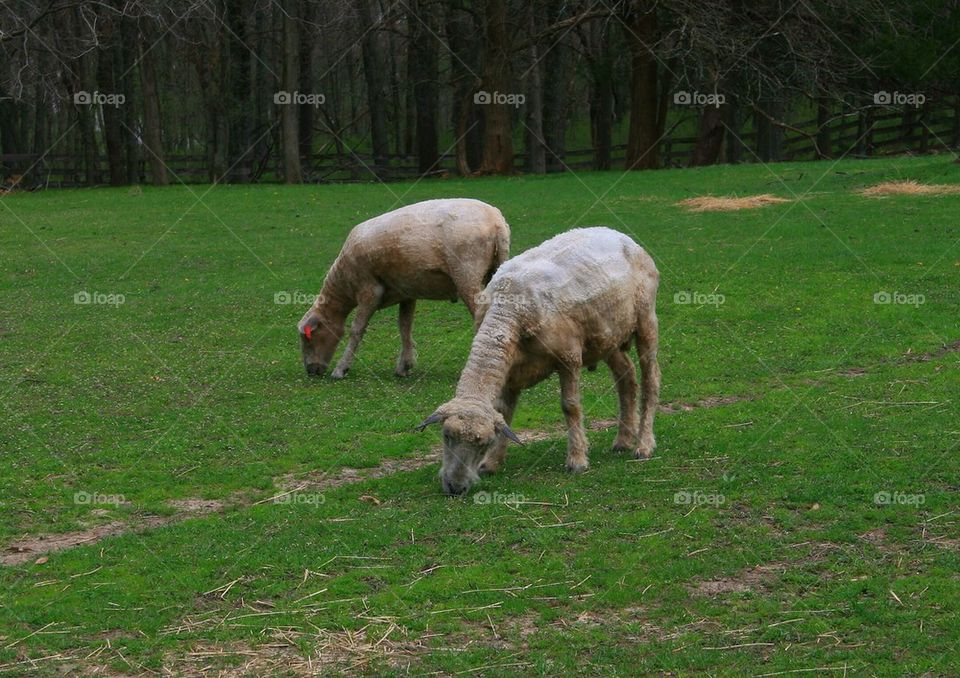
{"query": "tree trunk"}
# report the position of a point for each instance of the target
(823, 129)
(126, 55)
(424, 67)
(41, 129)
(956, 124)
(290, 118)
(87, 114)
(152, 137)
(557, 76)
(464, 117)
(735, 126)
(308, 113)
(106, 79)
(709, 137)
(643, 139)
(536, 151)
(240, 111)
(373, 65)
(498, 118)
(601, 97)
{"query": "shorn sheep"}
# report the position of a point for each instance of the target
(437, 249)
(581, 297)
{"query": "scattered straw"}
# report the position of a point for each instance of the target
(909, 188)
(710, 203)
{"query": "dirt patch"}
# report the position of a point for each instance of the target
(937, 353)
(674, 407)
(320, 480)
(709, 401)
(30, 548)
(875, 536)
(709, 203)
(909, 188)
(752, 579)
(197, 505)
(853, 372)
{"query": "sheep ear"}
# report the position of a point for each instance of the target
(432, 419)
(505, 430)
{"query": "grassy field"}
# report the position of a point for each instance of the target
(800, 513)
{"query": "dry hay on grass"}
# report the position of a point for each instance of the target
(909, 188)
(333, 651)
(711, 203)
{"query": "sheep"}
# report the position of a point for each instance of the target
(437, 249)
(578, 298)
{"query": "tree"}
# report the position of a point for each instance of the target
(152, 126)
(497, 117)
(291, 81)
(424, 70)
(647, 98)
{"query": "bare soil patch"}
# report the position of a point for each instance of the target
(197, 505)
(909, 187)
(320, 480)
(30, 548)
(709, 203)
(953, 347)
(751, 579)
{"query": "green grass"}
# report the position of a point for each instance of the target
(193, 388)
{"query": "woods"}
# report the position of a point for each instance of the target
(312, 90)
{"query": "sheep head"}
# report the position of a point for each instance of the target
(470, 430)
(319, 337)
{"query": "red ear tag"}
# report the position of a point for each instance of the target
(308, 332)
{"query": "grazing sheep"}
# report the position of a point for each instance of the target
(437, 249)
(579, 298)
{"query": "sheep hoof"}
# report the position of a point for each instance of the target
(577, 465)
(624, 444)
(339, 373)
(645, 450)
(403, 369)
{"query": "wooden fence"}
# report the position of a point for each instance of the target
(864, 133)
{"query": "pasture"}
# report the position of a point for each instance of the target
(213, 509)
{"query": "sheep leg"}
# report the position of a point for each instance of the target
(365, 310)
(408, 350)
(505, 405)
(469, 296)
(625, 376)
(647, 344)
(570, 404)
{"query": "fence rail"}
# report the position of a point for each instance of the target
(863, 133)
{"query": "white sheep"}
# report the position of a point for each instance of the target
(579, 298)
(437, 249)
